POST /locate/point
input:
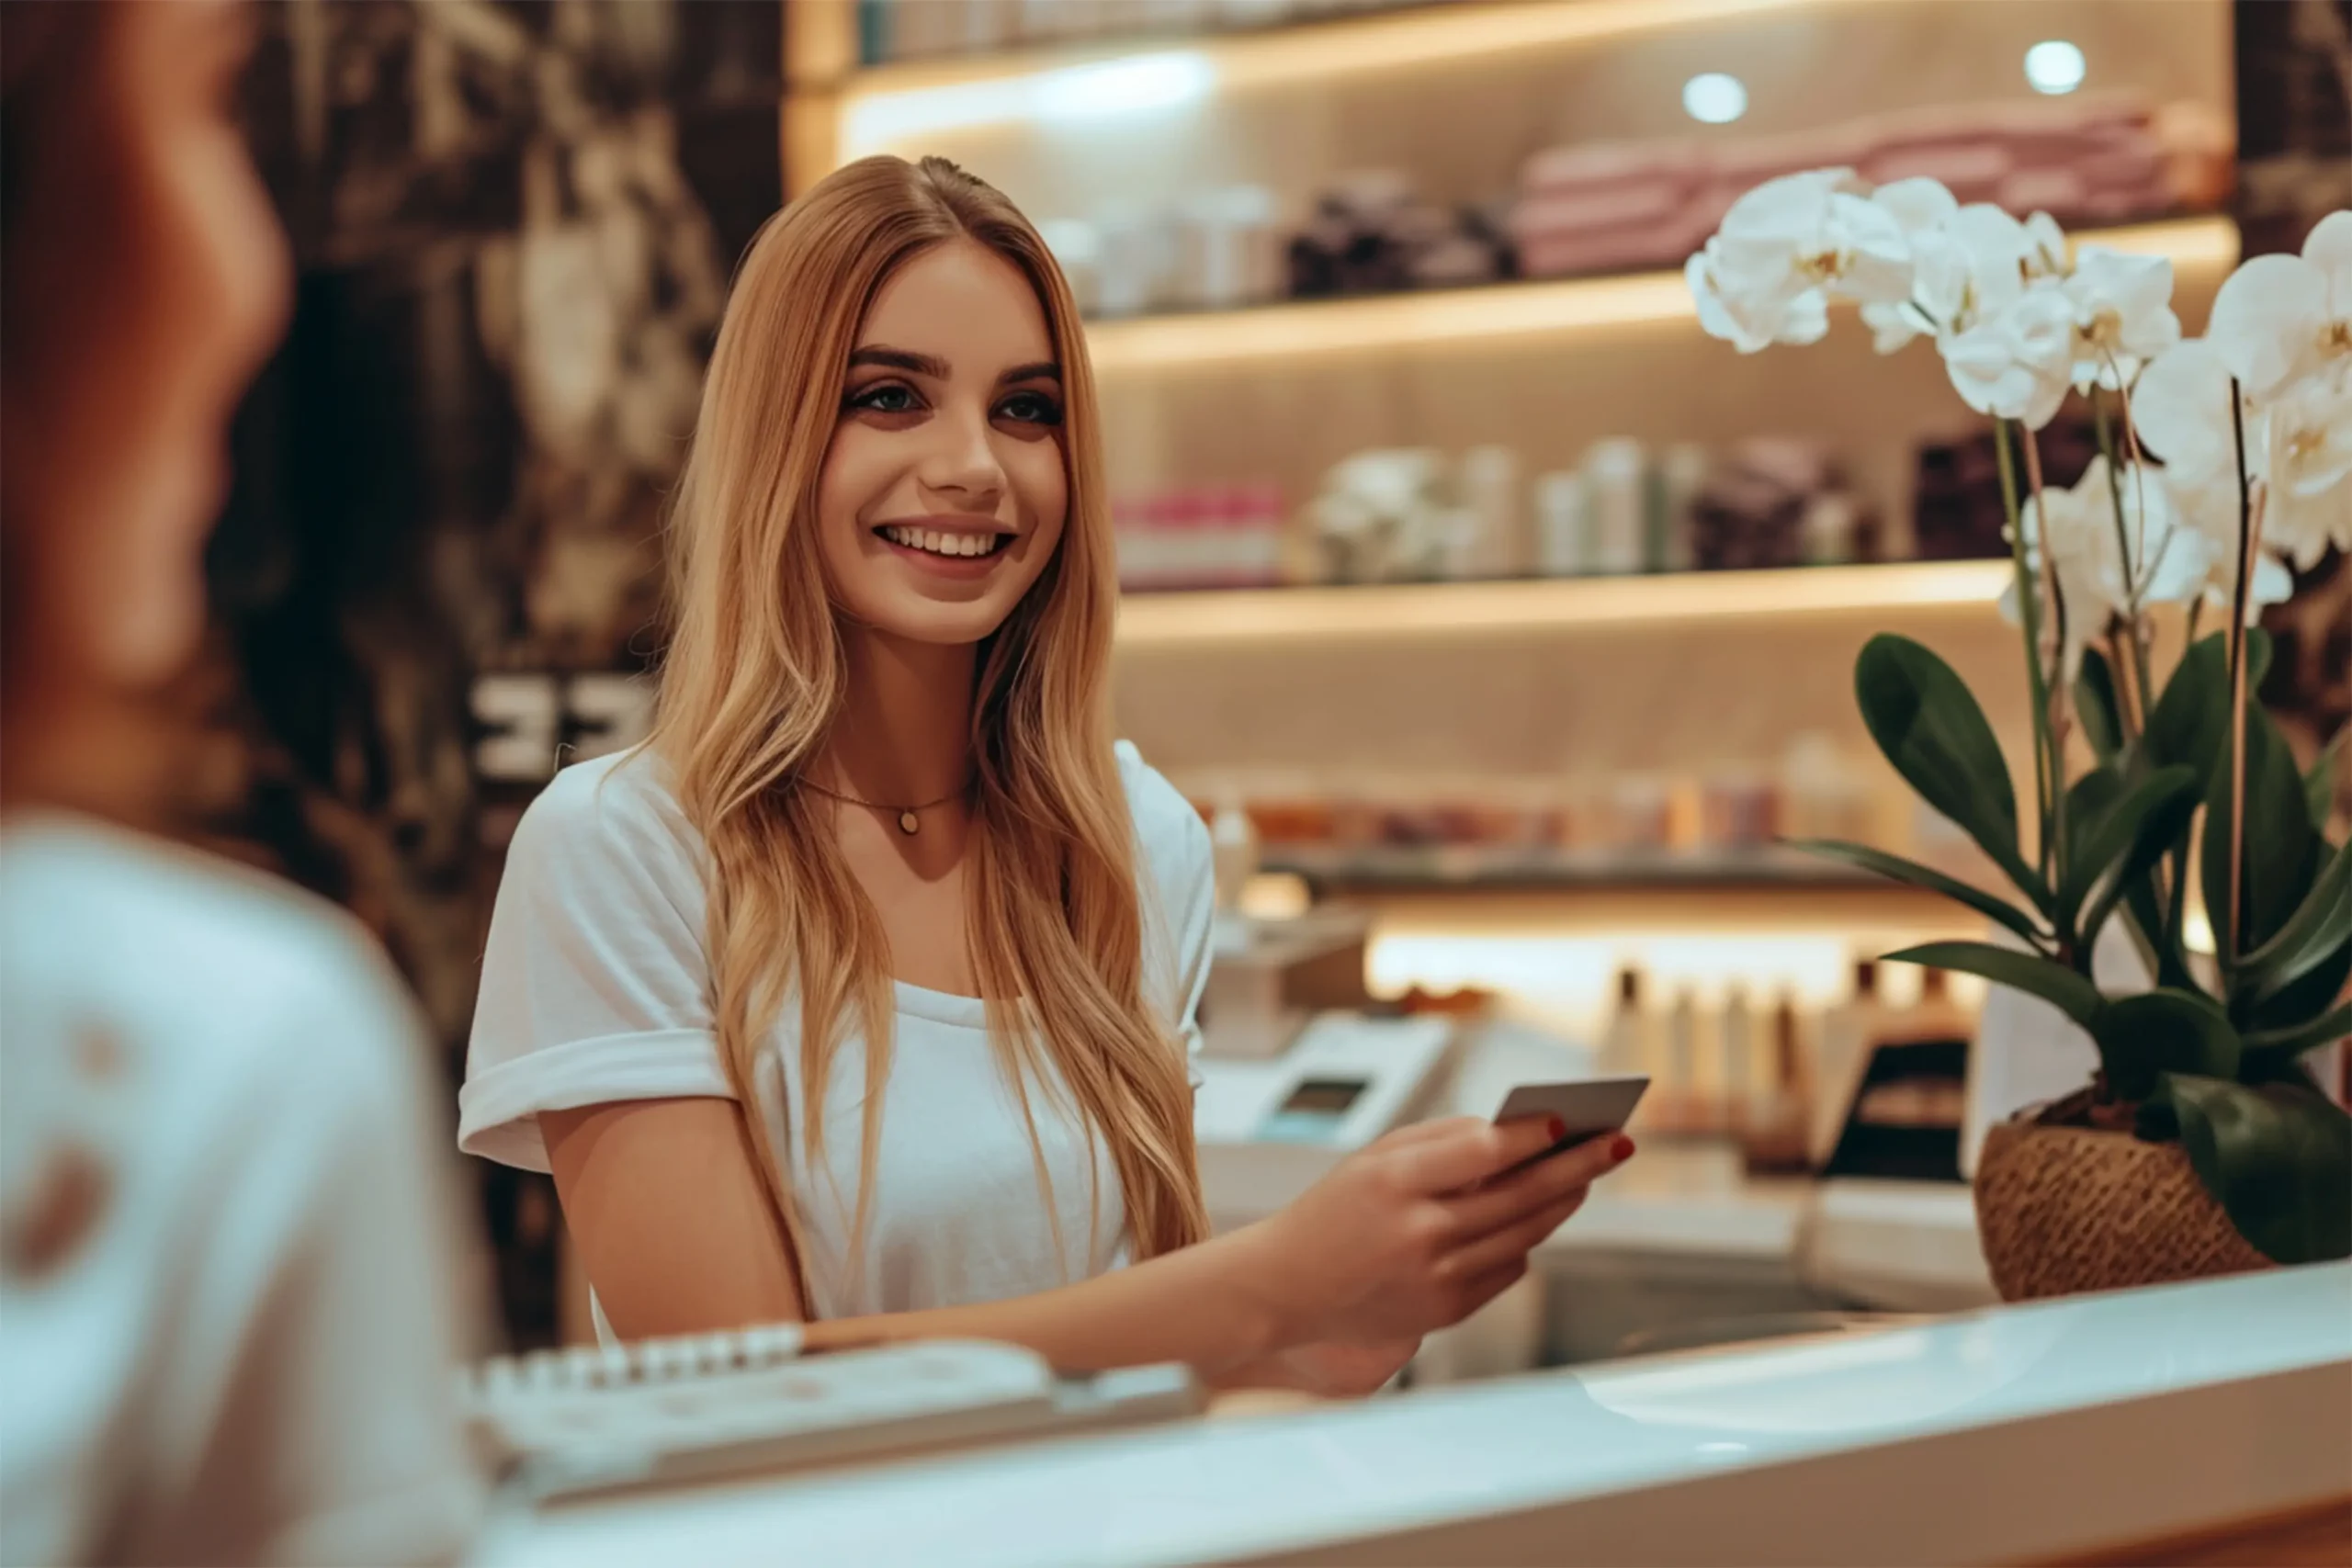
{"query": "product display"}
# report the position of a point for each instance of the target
(1373, 233)
(1414, 515)
(1623, 207)
(1727, 819)
(1214, 249)
(891, 30)
(1201, 537)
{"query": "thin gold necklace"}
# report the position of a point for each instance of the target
(910, 817)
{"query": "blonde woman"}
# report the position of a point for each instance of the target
(862, 993)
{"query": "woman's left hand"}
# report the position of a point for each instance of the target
(1346, 1371)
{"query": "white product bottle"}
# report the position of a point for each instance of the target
(1233, 852)
(1563, 524)
(1615, 471)
(1489, 481)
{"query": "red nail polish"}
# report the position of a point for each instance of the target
(1554, 1129)
(1621, 1149)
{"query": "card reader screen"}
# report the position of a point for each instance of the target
(1325, 1097)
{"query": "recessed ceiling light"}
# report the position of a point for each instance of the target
(2054, 66)
(1715, 99)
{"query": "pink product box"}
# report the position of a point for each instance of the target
(1201, 537)
(1611, 208)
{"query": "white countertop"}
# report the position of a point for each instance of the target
(2013, 1433)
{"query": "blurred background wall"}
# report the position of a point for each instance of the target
(515, 221)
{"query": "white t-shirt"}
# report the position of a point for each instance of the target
(226, 1318)
(595, 989)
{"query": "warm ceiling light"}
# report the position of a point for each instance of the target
(2054, 66)
(1715, 99)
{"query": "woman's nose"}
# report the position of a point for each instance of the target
(962, 465)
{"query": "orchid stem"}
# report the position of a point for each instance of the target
(2029, 616)
(2135, 624)
(2053, 641)
(2229, 931)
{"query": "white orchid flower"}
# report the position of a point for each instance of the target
(2124, 314)
(2181, 407)
(2207, 504)
(2308, 445)
(2019, 363)
(2047, 256)
(1922, 208)
(1784, 248)
(2280, 319)
(1982, 268)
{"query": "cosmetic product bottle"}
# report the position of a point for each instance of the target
(1627, 1046)
(1615, 481)
(1733, 1076)
(1775, 1141)
(1676, 1088)
(1233, 852)
(1563, 524)
(1674, 490)
(1490, 488)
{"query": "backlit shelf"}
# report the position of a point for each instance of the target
(1388, 323)
(1388, 611)
(884, 107)
(1439, 867)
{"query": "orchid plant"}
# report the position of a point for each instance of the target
(2218, 457)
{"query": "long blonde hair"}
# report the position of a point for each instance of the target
(754, 683)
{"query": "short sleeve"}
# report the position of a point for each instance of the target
(1178, 893)
(594, 983)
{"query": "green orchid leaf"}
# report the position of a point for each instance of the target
(2094, 701)
(2190, 723)
(2125, 841)
(2304, 1000)
(2282, 853)
(2091, 796)
(2147, 910)
(2277, 1157)
(2318, 927)
(2319, 780)
(2052, 981)
(2141, 1038)
(1900, 870)
(2271, 1046)
(1930, 727)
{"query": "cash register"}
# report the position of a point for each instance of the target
(1298, 1067)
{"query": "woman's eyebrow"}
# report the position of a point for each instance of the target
(1043, 370)
(928, 365)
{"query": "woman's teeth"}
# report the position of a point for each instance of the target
(938, 544)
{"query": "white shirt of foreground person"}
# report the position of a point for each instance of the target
(226, 1320)
(595, 989)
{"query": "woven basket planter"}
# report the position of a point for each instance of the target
(2062, 1209)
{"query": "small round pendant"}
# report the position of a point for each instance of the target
(909, 822)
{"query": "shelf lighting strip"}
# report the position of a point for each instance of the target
(888, 105)
(1585, 603)
(1388, 323)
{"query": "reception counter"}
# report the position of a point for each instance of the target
(2056, 1432)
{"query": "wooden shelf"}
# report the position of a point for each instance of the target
(1390, 610)
(1388, 323)
(884, 107)
(1441, 867)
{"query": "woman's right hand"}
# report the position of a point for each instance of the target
(1420, 1229)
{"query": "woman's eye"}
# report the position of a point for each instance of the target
(1030, 408)
(887, 398)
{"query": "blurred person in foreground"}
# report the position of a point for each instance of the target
(226, 1324)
